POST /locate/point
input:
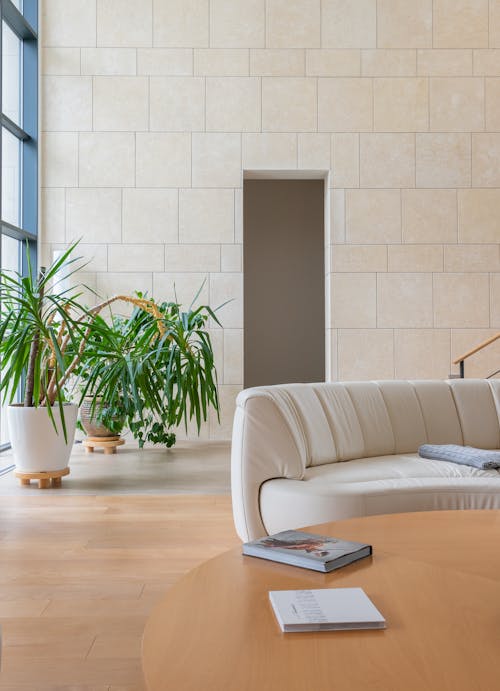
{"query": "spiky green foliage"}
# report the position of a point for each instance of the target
(152, 370)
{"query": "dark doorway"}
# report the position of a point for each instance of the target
(284, 281)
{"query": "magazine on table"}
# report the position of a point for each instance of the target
(328, 609)
(307, 550)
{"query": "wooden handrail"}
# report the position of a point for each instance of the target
(475, 350)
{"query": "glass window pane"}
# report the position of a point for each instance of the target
(18, 4)
(11, 261)
(11, 178)
(11, 74)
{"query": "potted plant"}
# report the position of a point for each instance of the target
(40, 321)
(149, 371)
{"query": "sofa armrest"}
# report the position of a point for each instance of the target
(265, 445)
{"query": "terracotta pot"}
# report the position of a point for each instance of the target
(36, 445)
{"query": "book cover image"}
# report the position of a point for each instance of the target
(318, 547)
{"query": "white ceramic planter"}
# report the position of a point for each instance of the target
(36, 445)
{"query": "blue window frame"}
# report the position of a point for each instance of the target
(18, 140)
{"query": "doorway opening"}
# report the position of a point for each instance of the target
(284, 280)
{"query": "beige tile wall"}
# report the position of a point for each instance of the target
(152, 110)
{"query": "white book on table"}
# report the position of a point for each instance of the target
(327, 609)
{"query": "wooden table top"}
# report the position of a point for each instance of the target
(435, 576)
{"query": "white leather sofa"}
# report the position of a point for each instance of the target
(309, 453)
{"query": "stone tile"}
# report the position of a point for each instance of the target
(150, 216)
(422, 353)
(479, 216)
(293, 23)
(123, 283)
(109, 96)
(93, 257)
(67, 104)
(68, 23)
(444, 63)
(415, 258)
(135, 257)
(237, 23)
(492, 105)
(495, 307)
(60, 159)
(484, 362)
(404, 24)
(53, 219)
(106, 159)
(494, 22)
(233, 104)
(337, 216)
(460, 23)
(469, 258)
(238, 216)
(124, 23)
(345, 160)
(206, 216)
(333, 63)
(461, 300)
(177, 104)
(277, 63)
(400, 105)
(365, 354)
(404, 300)
(181, 24)
(109, 61)
(272, 151)
(486, 63)
(227, 397)
(345, 105)
(314, 151)
(231, 258)
(429, 216)
(181, 287)
(192, 258)
(93, 215)
(456, 104)
(224, 62)
(346, 24)
(443, 160)
(388, 63)
(169, 62)
(233, 356)
(358, 258)
(216, 160)
(226, 287)
(387, 160)
(163, 159)
(60, 61)
(353, 300)
(373, 216)
(486, 160)
(289, 104)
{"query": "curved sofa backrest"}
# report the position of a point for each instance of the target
(281, 430)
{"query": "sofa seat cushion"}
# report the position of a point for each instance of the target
(384, 484)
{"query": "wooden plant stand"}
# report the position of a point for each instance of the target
(109, 444)
(45, 479)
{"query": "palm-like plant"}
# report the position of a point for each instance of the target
(41, 323)
(152, 370)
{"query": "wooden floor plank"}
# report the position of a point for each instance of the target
(80, 575)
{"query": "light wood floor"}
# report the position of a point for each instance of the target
(80, 574)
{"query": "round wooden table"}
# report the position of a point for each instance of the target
(435, 577)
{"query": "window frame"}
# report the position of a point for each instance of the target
(25, 25)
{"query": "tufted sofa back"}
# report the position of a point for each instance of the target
(333, 422)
